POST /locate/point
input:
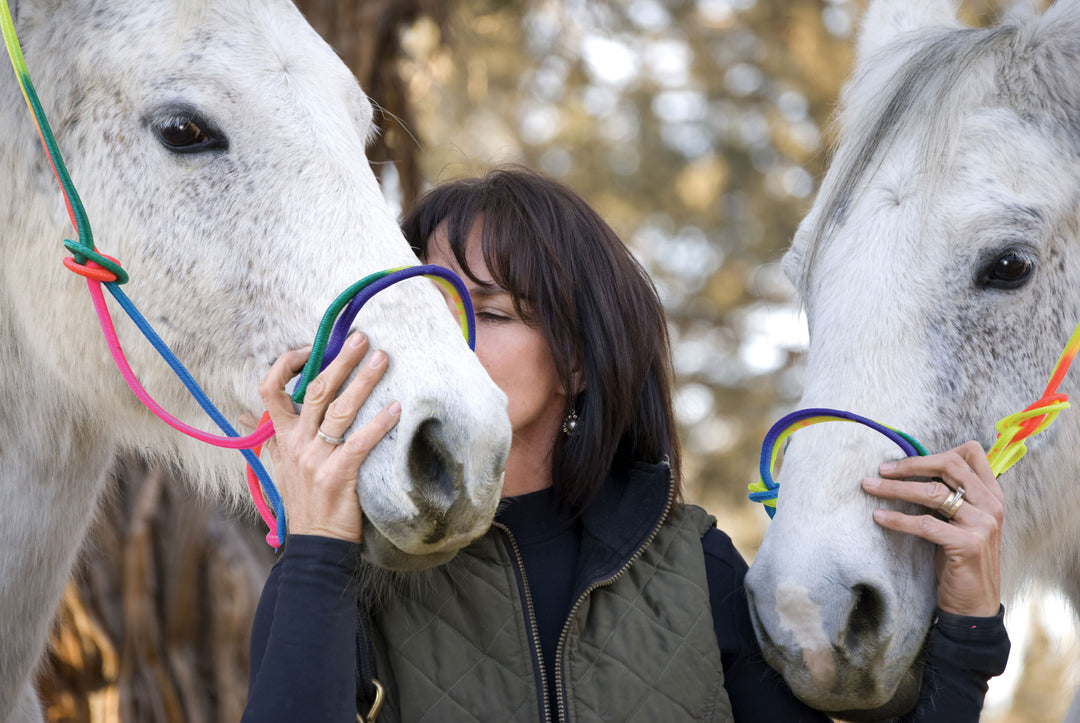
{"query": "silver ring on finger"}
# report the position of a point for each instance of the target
(950, 506)
(335, 441)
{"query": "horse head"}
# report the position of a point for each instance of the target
(220, 149)
(939, 273)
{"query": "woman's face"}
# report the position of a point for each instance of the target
(515, 355)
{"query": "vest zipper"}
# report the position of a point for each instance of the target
(560, 688)
(530, 616)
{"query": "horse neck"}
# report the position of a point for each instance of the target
(43, 425)
(54, 457)
(54, 460)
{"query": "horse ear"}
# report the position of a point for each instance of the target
(1063, 10)
(886, 20)
(791, 264)
(1022, 10)
(793, 261)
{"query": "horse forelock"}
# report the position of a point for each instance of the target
(921, 102)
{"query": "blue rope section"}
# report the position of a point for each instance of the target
(204, 401)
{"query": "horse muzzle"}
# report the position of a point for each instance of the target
(445, 489)
(838, 645)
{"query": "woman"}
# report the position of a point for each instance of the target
(596, 594)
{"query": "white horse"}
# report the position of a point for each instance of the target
(940, 272)
(219, 146)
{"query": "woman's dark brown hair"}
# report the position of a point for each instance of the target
(571, 277)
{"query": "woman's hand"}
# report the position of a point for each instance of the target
(969, 545)
(316, 478)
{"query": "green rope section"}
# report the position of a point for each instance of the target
(322, 336)
(83, 249)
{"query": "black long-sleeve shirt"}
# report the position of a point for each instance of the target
(304, 637)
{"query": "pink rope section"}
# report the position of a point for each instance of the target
(257, 493)
(260, 435)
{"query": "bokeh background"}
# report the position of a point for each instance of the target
(699, 129)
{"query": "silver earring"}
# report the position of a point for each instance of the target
(569, 425)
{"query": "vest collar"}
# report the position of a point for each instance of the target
(624, 516)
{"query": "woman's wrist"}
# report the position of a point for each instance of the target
(345, 534)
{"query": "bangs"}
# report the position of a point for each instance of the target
(571, 278)
(517, 242)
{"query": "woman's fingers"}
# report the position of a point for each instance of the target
(350, 455)
(322, 389)
(955, 468)
(342, 411)
(968, 557)
(968, 542)
(931, 495)
(317, 479)
(927, 527)
(326, 503)
(974, 454)
(272, 389)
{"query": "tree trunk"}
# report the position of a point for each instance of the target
(367, 36)
(154, 625)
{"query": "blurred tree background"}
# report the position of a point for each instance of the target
(698, 128)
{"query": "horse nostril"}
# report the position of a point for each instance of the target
(435, 475)
(865, 620)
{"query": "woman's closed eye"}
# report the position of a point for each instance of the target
(493, 316)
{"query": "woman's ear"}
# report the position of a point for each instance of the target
(577, 380)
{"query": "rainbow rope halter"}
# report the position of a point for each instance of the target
(1007, 450)
(99, 269)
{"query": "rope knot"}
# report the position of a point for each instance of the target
(91, 264)
(762, 492)
(1015, 428)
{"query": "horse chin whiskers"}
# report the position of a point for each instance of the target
(380, 551)
(902, 700)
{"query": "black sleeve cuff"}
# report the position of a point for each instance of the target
(327, 552)
(977, 644)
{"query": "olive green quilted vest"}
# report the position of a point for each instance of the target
(455, 645)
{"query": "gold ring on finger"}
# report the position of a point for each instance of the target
(952, 504)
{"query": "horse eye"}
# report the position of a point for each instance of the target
(188, 133)
(1009, 271)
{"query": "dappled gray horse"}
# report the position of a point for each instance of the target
(940, 271)
(219, 146)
